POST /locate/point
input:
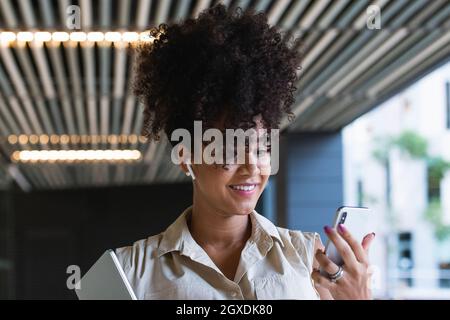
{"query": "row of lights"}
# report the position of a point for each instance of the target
(6, 37)
(65, 139)
(51, 156)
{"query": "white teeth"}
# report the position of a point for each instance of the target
(244, 188)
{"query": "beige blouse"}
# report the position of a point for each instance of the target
(276, 263)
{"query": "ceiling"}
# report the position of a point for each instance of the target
(82, 91)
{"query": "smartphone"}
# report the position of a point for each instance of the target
(357, 221)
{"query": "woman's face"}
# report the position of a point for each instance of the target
(234, 188)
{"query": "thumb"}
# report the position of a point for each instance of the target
(367, 240)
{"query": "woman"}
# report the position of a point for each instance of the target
(229, 70)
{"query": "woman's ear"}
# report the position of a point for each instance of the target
(183, 167)
(185, 161)
(191, 173)
(187, 169)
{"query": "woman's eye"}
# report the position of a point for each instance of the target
(264, 151)
(228, 154)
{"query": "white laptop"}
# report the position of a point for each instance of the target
(105, 280)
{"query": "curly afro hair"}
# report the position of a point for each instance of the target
(223, 64)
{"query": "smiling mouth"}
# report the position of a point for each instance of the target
(243, 187)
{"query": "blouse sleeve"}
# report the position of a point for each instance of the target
(310, 241)
(304, 242)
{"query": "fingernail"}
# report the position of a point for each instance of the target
(327, 229)
(341, 228)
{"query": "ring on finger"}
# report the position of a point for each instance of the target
(336, 276)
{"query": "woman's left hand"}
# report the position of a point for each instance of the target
(355, 283)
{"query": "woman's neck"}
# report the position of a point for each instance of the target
(211, 227)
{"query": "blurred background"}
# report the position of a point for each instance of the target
(372, 129)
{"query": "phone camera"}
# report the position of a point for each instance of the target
(344, 215)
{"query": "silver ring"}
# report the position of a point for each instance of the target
(336, 276)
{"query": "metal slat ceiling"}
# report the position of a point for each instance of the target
(84, 89)
(349, 77)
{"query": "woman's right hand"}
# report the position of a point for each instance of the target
(355, 283)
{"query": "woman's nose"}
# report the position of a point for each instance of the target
(250, 166)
